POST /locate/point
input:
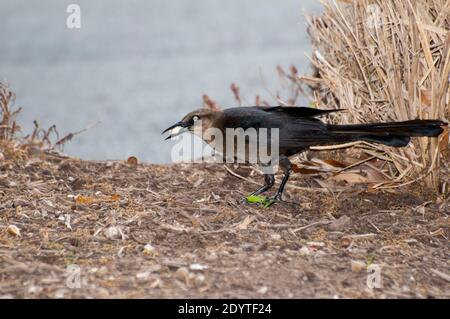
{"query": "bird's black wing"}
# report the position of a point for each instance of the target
(299, 111)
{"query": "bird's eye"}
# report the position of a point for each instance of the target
(195, 118)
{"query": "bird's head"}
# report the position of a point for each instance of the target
(204, 117)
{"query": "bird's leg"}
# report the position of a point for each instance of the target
(280, 190)
(269, 180)
(286, 167)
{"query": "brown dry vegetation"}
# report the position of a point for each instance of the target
(383, 61)
(386, 61)
(380, 61)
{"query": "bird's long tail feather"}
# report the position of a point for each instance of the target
(390, 133)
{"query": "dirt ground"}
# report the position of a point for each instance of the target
(180, 231)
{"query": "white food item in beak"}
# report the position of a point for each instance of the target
(177, 131)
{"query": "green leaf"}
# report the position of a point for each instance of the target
(269, 202)
(256, 199)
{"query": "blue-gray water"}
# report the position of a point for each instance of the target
(139, 66)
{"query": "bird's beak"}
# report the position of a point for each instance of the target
(176, 129)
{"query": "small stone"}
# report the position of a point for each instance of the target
(109, 164)
(211, 257)
(112, 232)
(149, 250)
(263, 290)
(143, 275)
(13, 230)
(275, 236)
(156, 283)
(358, 266)
(132, 161)
(198, 267)
(93, 270)
(345, 242)
(315, 244)
(35, 289)
(182, 274)
(199, 279)
(304, 251)
(154, 268)
(59, 294)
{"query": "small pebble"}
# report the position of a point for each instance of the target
(112, 232)
(198, 267)
(182, 274)
(263, 290)
(304, 251)
(358, 266)
(14, 230)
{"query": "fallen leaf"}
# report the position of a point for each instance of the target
(256, 199)
(84, 199)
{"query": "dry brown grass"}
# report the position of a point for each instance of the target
(13, 145)
(8, 125)
(381, 61)
(386, 61)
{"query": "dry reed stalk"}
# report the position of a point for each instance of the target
(40, 138)
(8, 126)
(386, 61)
